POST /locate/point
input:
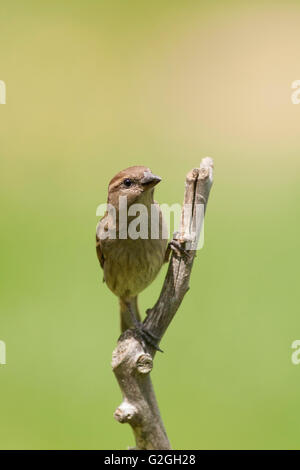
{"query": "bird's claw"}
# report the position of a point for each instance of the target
(177, 247)
(148, 337)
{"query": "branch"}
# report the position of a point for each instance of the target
(132, 361)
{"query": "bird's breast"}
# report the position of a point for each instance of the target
(131, 265)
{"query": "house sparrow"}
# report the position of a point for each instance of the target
(130, 265)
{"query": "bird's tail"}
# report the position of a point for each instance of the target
(128, 311)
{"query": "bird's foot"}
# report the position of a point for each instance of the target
(177, 247)
(148, 337)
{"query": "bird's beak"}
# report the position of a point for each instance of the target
(150, 180)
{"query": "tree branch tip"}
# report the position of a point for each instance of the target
(207, 162)
(203, 173)
(206, 168)
(192, 176)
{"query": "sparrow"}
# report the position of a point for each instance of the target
(131, 264)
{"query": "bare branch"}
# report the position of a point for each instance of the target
(132, 360)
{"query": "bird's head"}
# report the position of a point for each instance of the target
(136, 183)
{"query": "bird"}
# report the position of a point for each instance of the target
(130, 264)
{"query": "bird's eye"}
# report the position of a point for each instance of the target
(127, 182)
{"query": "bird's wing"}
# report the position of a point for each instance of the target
(98, 243)
(99, 252)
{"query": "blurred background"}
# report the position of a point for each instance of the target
(95, 87)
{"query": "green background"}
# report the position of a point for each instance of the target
(96, 86)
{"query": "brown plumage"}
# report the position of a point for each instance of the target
(130, 265)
